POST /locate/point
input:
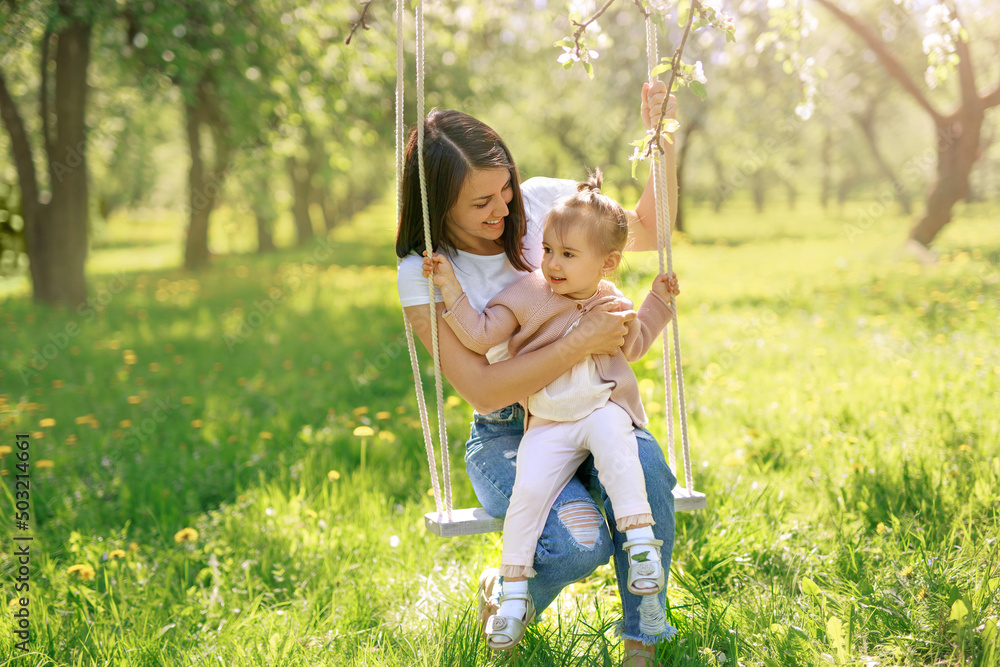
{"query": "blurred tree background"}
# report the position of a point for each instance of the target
(254, 119)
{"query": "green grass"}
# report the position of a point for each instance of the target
(843, 418)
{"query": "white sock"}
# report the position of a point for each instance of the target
(651, 552)
(513, 608)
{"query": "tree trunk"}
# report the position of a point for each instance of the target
(204, 184)
(32, 212)
(196, 255)
(69, 209)
(687, 131)
(56, 233)
(298, 175)
(264, 214)
(958, 149)
(826, 155)
(759, 189)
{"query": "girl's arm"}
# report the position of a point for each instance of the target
(488, 387)
(642, 222)
(654, 314)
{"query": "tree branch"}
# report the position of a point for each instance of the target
(889, 62)
(582, 27)
(674, 62)
(992, 99)
(360, 23)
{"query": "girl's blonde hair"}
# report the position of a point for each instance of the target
(603, 218)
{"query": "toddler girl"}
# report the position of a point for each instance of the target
(591, 409)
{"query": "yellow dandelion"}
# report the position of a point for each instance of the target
(133, 547)
(47, 422)
(117, 553)
(82, 570)
(452, 401)
(287, 364)
(186, 535)
(57, 384)
(362, 410)
(13, 604)
(387, 436)
(38, 435)
(364, 431)
(384, 414)
(327, 366)
(129, 357)
(922, 593)
(178, 359)
(197, 423)
(400, 409)
(232, 438)
(154, 367)
(654, 408)
(85, 419)
(45, 463)
(266, 435)
(134, 400)
(187, 400)
(333, 475)
(813, 475)
(241, 382)
(71, 439)
(880, 528)
(125, 423)
(964, 448)
(906, 571)
(311, 513)
(5, 449)
(430, 492)
(217, 366)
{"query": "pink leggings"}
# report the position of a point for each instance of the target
(547, 459)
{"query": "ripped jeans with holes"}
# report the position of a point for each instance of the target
(576, 539)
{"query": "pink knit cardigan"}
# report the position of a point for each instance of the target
(531, 315)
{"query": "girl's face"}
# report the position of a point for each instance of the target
(571, 265)
(476, 220)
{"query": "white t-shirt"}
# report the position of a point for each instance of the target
(483, 276)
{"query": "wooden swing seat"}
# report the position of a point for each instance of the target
(475, 520)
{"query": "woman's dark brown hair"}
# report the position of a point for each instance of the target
(455, 144)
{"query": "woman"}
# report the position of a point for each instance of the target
(490, 226)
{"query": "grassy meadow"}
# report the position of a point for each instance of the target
(202, 494)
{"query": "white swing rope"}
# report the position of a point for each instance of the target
(663, 248)
(445, 506)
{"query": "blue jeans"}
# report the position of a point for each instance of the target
(560, 559)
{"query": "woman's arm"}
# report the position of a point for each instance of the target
(488, 387)
(642, 222)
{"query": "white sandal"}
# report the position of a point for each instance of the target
(485, 602)
(650, 571)
(504, 632)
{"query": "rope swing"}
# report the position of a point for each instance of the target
(449, 522)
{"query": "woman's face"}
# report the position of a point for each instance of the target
(476, 220)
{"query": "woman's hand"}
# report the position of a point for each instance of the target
(652, 102)
(666, 286)
(602, 330)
